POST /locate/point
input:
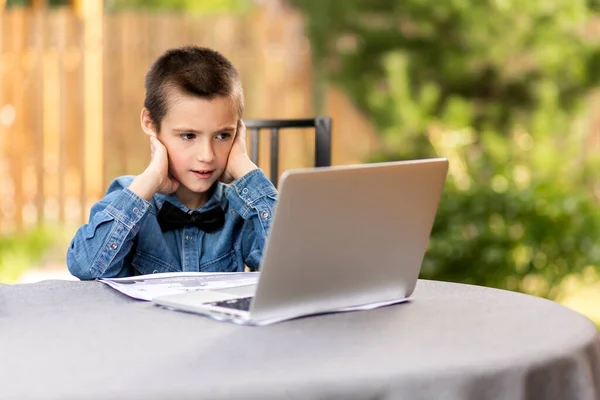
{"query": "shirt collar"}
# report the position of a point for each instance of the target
(214, 199)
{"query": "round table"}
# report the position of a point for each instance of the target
(83, 340)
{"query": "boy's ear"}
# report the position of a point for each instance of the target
(147, 123)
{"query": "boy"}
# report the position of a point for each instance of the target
(179, 214)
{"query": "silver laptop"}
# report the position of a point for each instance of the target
(342, 238)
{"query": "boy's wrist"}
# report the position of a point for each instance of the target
(244, 168)
(145, 185)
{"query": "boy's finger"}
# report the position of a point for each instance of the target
(153, 143)
(149, 131)
(156, 142)
(241, 134)
(241, 128)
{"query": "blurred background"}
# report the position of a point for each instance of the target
(507, 90)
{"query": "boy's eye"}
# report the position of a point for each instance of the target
(224, 136)
(187, 136)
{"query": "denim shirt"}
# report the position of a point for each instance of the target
(123, 237)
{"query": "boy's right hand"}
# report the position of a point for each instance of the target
(156, 177)
(159, 167)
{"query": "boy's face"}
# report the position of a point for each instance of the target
(198, 135)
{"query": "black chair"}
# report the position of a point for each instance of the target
(322, 127)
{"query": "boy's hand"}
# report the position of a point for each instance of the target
(156, 177)
(238, 163)
(159, 167)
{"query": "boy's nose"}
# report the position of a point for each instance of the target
(205, 154)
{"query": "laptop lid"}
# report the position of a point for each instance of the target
(347, 235)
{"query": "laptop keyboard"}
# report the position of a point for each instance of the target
(243, 303)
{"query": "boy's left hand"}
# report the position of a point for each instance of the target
(238, 163)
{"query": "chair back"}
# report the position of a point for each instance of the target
(322, 127)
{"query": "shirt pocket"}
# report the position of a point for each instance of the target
(145, 264)
(224, 263)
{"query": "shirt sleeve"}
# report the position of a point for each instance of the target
(100, 247)
(253, 196)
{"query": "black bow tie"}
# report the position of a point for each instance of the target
(171, 218)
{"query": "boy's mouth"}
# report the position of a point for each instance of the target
(203, 173)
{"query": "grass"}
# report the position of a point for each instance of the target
(22, 251)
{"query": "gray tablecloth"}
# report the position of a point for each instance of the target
(83, 340)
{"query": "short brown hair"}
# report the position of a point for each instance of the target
(197, 71)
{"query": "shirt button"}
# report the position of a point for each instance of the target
(245, 190)
(155, 271)
(112, 246)
(135, 210)
(265, 214)
(188, 238)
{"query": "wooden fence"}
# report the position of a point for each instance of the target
(72, 90)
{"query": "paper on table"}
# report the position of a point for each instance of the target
(253, 322)
(146, 287)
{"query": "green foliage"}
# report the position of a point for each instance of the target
(501, 224)
(504, 56)
(192, 6)
(499, 87)
(17, 3)
(20, 252)
(515, 214)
